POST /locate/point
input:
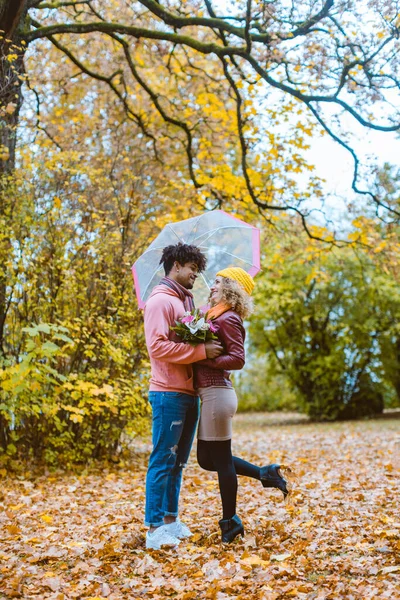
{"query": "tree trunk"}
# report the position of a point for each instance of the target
(12, 21)
(396, 371)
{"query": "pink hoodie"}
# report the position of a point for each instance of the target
(171, 360)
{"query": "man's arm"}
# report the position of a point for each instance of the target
(158, 316)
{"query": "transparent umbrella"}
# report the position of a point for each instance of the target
(225, 240)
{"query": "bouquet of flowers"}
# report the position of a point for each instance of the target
(194, 328)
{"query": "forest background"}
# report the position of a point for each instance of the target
(135, 115)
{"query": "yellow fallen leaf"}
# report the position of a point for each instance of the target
(385, 519)
(312, 485)
(308, 523)
(47, 518)
(16, 506)
(254, 561)
(391, 533)
(281, 557)
(74, 545)
(304, 587)
(109, 523)
(393, 569)
(13, 529)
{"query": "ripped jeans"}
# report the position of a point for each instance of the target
(175, 417)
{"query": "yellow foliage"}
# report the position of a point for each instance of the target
(47, 518)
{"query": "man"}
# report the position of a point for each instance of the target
(174, 402)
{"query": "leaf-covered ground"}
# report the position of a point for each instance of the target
(81, 536)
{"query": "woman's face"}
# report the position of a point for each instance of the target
(216, 291)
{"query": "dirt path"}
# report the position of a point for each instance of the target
(81, 536)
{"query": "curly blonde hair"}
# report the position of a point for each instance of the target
(234, 295)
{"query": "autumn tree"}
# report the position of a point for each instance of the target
(319, 59)
(82, 208)
(89, 191)
(133, 115)
(381, 242)
(328, 57)
(325, 324)
(74, 373)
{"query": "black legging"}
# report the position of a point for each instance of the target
(217, 456)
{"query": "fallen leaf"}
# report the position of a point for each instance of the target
(254, 561)
(387, 570)
(46, 518)
(281, 557)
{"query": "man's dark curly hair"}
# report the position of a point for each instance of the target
(182, 253)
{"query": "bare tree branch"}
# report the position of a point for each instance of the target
(354, 184)
(307, 51)
(167, 118)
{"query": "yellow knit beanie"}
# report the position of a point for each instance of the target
(239, 275)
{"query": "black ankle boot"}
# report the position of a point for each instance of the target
(230, 528)
(271, 478)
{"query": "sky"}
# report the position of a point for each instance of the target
(335, 164)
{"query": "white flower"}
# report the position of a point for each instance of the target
(195, 327)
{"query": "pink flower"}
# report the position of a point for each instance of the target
(213, 329)
(187, 319)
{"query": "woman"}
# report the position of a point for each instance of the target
(230, 304)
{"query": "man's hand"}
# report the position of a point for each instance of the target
(213, 349)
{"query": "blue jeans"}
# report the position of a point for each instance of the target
(175, 417)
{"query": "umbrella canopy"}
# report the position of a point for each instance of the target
(225, 241)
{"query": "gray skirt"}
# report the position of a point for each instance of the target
(218, 407)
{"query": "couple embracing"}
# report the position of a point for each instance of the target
(180, 373)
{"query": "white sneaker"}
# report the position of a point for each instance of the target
(161, 537)
(178, 530)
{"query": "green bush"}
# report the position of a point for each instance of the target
(328, 327)
(259, 389)
(63, 419)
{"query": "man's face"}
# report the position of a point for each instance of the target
(186, 274)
